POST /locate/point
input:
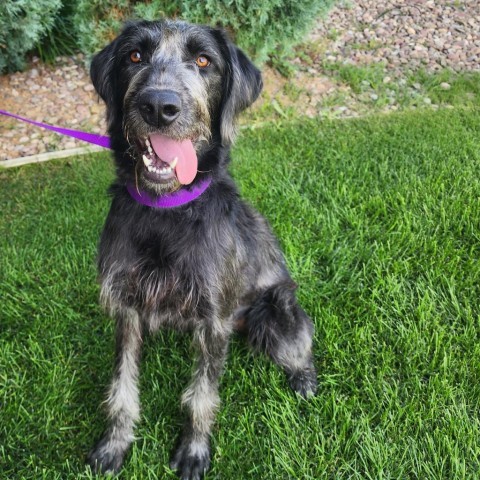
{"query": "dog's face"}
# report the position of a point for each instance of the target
(173, 91)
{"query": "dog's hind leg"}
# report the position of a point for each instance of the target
(278, 326)
(123, 403)
(192, 455)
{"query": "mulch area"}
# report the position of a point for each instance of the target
(402, 35)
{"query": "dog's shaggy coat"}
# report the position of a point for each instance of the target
(210, 266)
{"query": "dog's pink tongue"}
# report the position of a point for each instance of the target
(168, 149)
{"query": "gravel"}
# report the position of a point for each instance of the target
(50, 94)
(401, 36)
(404, 34)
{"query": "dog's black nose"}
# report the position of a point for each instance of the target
(160, 107)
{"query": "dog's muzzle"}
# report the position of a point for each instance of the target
(165, 159)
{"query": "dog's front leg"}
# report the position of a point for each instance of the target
(122, 402)
(192, 457)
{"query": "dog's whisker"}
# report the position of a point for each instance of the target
(136, 180)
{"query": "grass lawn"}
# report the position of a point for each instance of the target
(380, 222)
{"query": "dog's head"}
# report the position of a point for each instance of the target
(173, 92)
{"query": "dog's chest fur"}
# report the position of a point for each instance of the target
(176, 266)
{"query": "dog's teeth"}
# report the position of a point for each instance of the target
(146, 160)
(147, 142)
(174, 163)
(150, 151)
(158, 171)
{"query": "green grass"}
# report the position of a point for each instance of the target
(419, 88)
(379, 219)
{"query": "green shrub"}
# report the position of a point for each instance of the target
(264, 28)
(97, 22)
(22, 24)
(61, 38)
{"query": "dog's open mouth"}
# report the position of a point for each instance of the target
(165, 158)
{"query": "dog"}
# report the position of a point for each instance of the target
(179, 247)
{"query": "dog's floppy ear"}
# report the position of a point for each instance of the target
(100, 72)
(243, 86)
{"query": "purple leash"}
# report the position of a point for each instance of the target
(169, 200)
(100, 140)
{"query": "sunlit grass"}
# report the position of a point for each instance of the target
(379, 220)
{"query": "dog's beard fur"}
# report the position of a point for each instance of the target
(210, 266)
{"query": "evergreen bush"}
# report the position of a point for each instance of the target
(264, 28)
(22, 24)
(61, 39)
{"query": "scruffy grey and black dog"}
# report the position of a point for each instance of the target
(197, 259)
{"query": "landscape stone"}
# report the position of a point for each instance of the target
(399, 38)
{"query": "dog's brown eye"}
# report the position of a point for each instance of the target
(136, 56)
(202, 61)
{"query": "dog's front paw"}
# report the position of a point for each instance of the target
(304, 382)
(107, 456)
(191, 459)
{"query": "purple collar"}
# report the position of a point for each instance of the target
(169, 200)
